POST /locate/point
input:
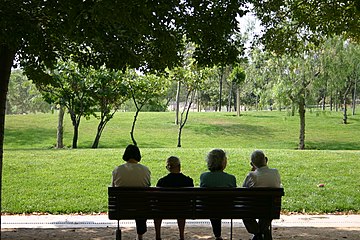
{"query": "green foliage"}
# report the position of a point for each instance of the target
(238, 75)
(143, 88)
(23, 97)
(289, 24)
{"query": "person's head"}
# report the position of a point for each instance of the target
(216, 160)
(173, 164)
(258, 159)
(132, 152)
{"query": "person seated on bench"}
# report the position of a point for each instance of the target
(216, 163)
(260, 176)
(132, 174)
(174, 179)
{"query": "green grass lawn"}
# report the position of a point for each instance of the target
(37, 178)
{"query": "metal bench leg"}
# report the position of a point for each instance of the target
(231, 229)
(118, 231)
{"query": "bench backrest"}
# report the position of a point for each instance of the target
(194, 203)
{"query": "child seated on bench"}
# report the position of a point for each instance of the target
(174, 179)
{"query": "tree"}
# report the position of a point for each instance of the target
(288, 24)
(23, 96)
(70, 87)
(143, 88)
(120, 34)
(191, 79)
(108, 93)
(238, 76)
(341, 68)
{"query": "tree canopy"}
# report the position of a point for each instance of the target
(290, 24)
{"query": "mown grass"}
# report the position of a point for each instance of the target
(37, 178)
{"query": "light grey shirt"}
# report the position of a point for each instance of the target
(131, 175)
(263, 177)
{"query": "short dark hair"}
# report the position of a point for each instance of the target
(132, 152)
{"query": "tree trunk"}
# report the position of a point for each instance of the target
(323, 103)
(184, 120)
(230, 96)
(220, 88)
(354, 99)
(99, 131)
(101, 126)
(133, 126)
(7, 57)
(237, 101)
(331, 103)
(177, 103)
(345, 103)
(302, 122)
(75, 122)
(60, 128)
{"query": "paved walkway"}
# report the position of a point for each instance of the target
(89, 221)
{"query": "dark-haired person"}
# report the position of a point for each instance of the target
(260, 176)
(132, 174)
(174, 179)
(216, 177)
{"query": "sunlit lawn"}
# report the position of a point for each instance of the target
(37, 178)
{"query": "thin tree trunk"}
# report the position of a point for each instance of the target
(177, 103)
(302, 123)
(100, 129)
(220, 88)
(237, 101)
(198, 102)
(184, 120)
(331, 103)
(60, 128)
(323, 103)
(229, 97)
(133, 126)
(354, 100)
(101, 126)
(345, 103)
(7, 57)
(75, 122)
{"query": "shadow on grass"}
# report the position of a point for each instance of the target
(332, 145)
(231, 129)
(30, 138)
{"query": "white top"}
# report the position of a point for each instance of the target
(131, 175)
(263, 177)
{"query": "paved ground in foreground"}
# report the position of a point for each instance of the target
(98, 227)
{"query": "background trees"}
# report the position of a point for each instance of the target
(23, 96)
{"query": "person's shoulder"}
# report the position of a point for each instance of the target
(142, 166)
(230, 175)
(186, 176)
(275, 170)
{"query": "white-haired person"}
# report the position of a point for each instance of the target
(260, 176)
(216, 177)
(175, 178)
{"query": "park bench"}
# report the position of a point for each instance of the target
(193, 203)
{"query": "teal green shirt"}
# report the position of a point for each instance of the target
(217, 179)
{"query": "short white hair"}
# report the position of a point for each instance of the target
(258, 158)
